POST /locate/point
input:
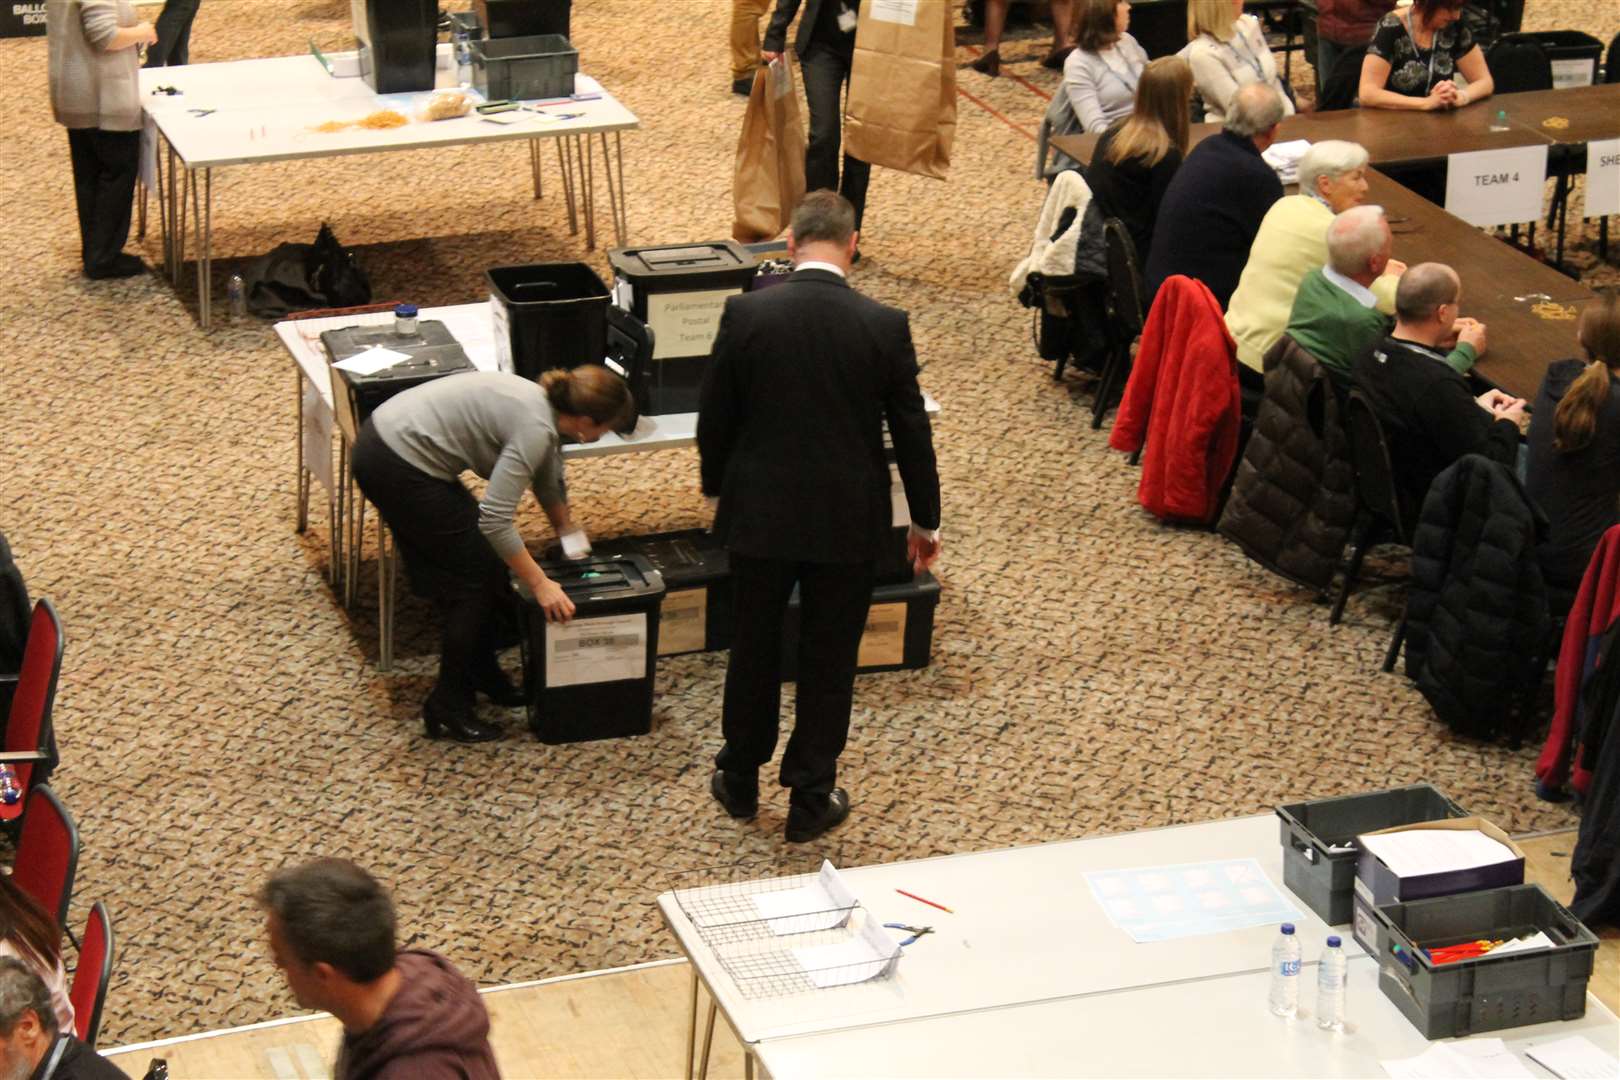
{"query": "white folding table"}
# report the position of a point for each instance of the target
(250, 112)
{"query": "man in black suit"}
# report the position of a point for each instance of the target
(790, 429)
(826, 47)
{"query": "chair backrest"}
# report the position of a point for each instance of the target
(630, 351)
(1059, 119)
(47, 853)
(1519, 63)
(1124, 278)
(1611, 65)
(89, 990)
(29, 725)
(1369, 455)
(1343, 83)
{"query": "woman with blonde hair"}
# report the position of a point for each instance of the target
(1573, 472)
(1136, 158)
(1227, 49)
(1100, 75)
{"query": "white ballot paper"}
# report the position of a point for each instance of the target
(821, 905)
(1486, 1059)
(1575, 1058)
(1284, 158)
(1158, 903)
(869, 954)
(371, 361)
(1436, 851)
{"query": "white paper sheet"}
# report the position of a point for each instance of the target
(866, 956)
(1436, 851)
(903, 12)
(822, 905)
(1575, 1058)
(1537, 940)
(1158, 903)
(1485, 1059)
(371, 361)
(608, 648)
(1284, 158)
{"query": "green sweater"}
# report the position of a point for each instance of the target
(1334, 327)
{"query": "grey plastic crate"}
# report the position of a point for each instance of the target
(1324, 878)
(1494, 991)
(524, 68)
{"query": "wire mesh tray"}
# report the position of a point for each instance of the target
(720, 903)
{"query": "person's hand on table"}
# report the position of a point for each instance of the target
(922, 547)
(1440, 98)
(552, 600)
(1471, 332)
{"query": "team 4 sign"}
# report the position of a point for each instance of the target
(1603, 178)
(1497, 187)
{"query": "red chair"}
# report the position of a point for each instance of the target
(28, 727)
(47, 853)
(89, 990)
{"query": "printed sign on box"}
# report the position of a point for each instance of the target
(610, 648)
(683, 622)
(684, 323)
(22, 18)
(1497, 187)
(1602, 178)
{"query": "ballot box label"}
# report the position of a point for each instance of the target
(1497, 187)
(22, 18)
(683, 621)
(684, 323)
(903, 12)
(611, 648)
(883, 642)
(1603, 178)
(1568, 73)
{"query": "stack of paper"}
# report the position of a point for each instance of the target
(1489, 1059)
(1436, 851)
(820, 905)
(1284, 158)
(869, 954)
(1574, 1058)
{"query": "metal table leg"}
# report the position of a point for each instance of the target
(534, 167)
(387, 595)
(140, 201)
(162, 205)
(177, 207)
(205, 249)
(304, 477)
(708, 1039)
(357, 533)
(566, 166)
(582, 154)
(691, 1022)
(616, 194)
(340, 512)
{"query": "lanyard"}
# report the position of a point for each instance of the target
(1434, 47)
(1134, 72)
(56, 1058)
(1245, 55)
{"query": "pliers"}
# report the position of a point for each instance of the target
(915, 931)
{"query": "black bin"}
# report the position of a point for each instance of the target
(397, 42)
(1319, 840)
(679, 291)
(547, 315)
(899, 628)
(1574, 55)
(433, 353)
(524, 18)
(593, 678)
(524, 68)
(697, 614)
(1493, 991)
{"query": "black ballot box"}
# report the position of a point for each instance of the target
(547, 315)
(592, 678)
(397, 41)
(899, 630)
(679, 291)
(697, 613)
(432, 352)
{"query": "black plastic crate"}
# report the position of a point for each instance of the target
(547, 315)
(601, 686)
(433, 353)
(524, 68)
(521, 18)
(1318, 838)
(697, 614)
(1494, 991)
(899, 628)
(1575, 56)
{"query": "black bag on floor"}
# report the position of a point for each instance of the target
(297, 277)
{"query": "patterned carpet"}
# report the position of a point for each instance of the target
(220, 714)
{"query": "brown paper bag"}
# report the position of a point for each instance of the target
(901, 112)
(769, 180)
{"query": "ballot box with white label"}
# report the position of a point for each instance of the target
(592, 678)
(679, 291)
(899, 628)
(697, 614)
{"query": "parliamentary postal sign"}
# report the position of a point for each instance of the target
(1603, 178)
(1497, 187)
(22, 18)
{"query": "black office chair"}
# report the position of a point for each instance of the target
(1518, 63)
(1125, 315)
(1378, 509)
(1611, 66)
(1343, 84)
(629, 353)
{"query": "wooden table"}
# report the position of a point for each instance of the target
(1593, 112)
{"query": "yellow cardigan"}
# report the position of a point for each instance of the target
(1292, 242)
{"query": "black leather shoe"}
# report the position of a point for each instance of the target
(460, 724)
(494, 685)
(737, 795)
(121, 266)
(1053, 61)
(805, 823)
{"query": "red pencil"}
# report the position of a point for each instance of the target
(930, 903)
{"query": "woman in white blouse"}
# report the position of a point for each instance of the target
(1227, 49)
(1100, 76)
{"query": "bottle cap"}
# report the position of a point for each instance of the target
(405, 311)
(1288, 928)
(1333, 941)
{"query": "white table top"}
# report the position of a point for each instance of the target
(473, 328)
(1026, 929)
(1207, 1027)
(266, 110)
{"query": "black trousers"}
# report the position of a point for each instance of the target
(105, 166)
(435, 524)
(173, 28)
(833, 602)
(826, 72)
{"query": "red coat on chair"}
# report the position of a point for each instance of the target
(1182, 398)
(1597, 605)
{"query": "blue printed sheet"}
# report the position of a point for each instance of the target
(1159, 903)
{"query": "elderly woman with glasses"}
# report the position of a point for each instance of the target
(1292, 242)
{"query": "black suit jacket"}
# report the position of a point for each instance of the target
(790, 426)
(815, 11)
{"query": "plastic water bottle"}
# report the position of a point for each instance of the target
(1500, 122)
(1285, 956)
(236, 297)
(10, 790)
(1330, 979)
(461, 46)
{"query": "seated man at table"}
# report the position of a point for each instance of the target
(1335, 315)
(1429, 415)
(1214, 206)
